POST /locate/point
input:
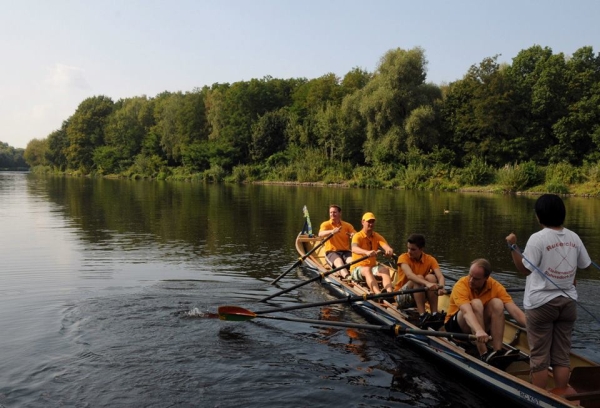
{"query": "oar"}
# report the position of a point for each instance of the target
(321, 275)
(226, 310)
(450, 278)
(302, 258)
(393, 329)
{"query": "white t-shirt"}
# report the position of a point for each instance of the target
(556, 254)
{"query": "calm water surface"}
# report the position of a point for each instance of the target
(98, 280)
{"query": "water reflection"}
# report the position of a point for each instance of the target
(96, 274)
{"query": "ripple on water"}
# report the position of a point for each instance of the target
(162, 346)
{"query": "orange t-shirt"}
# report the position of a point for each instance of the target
(364, 242)
(339, 241)
(420, 267)
(462, 293)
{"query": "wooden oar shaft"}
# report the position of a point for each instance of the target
(393, 329)
(349, 299)
(332, 323)
(302, 258)
(313, 279)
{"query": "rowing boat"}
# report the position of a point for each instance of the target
(508, 377)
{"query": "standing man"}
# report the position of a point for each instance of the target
(550, 261)
(368, 242)
(477, 306)
(416, 269)
(337, 248)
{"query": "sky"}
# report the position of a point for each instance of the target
(56, 53)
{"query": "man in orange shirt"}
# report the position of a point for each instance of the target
(416, 269)
(477, 306)
(337, 249)
(368, 242)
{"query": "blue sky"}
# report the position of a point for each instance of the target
(56, 53)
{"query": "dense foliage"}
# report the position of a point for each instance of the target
(11, 158)
(386, 128)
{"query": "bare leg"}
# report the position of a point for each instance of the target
(477, 307)
(540, 378)
(432, 296)
(494, 319)
(561, 376)
(418, 296)
(339, 262)
(386, 281)
(370, 279)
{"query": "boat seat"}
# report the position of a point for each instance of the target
(585, 379)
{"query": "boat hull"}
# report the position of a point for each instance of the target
(512, 381)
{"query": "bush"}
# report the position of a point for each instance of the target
(365, 177)
(215, 174)
(563, 173)
(592, 172)
(415, 176)
(244, 173)
(477, 173)
(556, 188)
(149, 166)
(520, 176)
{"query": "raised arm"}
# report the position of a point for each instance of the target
(515, 252)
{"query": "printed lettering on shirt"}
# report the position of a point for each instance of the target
(561, 244)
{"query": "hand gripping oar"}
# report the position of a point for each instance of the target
(515, 248)
(321, 276)
(393, 329)
(227, 310)
(302, 258)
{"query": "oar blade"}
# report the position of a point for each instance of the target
(235, 314)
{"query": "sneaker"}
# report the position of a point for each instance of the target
(438, 317)
(511, 352)
(488, 357)
(424, 319)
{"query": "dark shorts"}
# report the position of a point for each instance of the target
(345, 256)
(452, 325)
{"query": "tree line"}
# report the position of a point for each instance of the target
(539, 112)
(12, 158)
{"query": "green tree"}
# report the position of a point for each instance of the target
(11, 158)
(355, 80)
(397, 88)
(36, 152)
(480, 115)
(537, 79)
(578, 131)
(85, 131)
(268, 134)
(125, 132)
(58, 144)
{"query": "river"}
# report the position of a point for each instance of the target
(107, 289)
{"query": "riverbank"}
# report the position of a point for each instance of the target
(581, 190)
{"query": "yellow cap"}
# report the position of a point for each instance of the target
(368, 216)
